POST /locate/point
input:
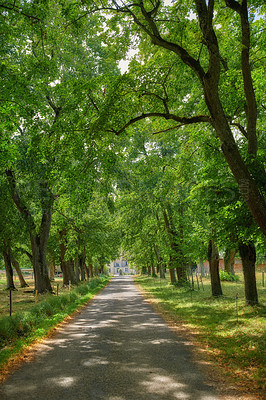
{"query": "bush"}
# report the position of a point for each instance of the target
(225, 276)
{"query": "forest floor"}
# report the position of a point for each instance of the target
(230, 334)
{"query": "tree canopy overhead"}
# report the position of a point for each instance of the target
(190, 69)
(90, 155)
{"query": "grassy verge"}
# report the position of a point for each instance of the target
(232, 333)
(23, 328)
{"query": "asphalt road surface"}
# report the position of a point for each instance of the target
(117, 348)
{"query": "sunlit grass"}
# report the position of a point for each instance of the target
(230, 331)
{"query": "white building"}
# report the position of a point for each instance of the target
(120, 266)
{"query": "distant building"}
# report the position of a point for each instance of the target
(120, 266)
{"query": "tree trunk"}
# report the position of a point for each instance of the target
(202, 269)
(42, 281)
(38, 241)
(246, 183)
(101, 268)
(87, 271)
(149, 269)
(160, 268)
(143, 270)
(51, 269)
(15, 264)
(91, 270)
(229, 261)
(177, 259)
(82, 258)
(63, 263)
(9, 271)
(248, 256)
(76, 270)
(153, 270)
(172, 275)
(209, 79)
(213, 256)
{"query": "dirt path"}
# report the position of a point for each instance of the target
(117, 348)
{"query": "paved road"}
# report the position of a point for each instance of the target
(115, 349)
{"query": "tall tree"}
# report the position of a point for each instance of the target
(51, 88)
(191, 37)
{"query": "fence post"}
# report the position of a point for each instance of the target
(192, 279)
(10, 302)
(57, 288)
(197, 281)
(36, 295)
(69, 285)
(236, 308)
(263, 278)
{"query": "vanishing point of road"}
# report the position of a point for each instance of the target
(116, 348)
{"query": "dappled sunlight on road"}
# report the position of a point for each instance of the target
(116, 349)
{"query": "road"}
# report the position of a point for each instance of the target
(117, 348)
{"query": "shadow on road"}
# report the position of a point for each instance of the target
(115, 349)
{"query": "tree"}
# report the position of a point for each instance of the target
(191, 37)
(52, 90)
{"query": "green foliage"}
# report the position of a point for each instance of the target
(225, 276)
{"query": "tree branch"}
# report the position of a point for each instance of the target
(13, 7)
(167, 116)
(17, 200)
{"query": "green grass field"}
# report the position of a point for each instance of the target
(232, 333)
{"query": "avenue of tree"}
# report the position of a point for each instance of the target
(165, 161)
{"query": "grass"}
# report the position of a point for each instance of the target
(232, 333)
(37, 320)
(23, 298)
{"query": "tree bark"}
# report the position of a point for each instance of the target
(76, 270)
(87, 271)
(172, 275)
(82, 264)
(143, 270)
(248, 256)
(229, 261)
(202, 269)
(213, 257)
(51, 269)
(9, 271)
(210, 83)
(38, 240)
(177, 259)
(91, 270)
(15, 264)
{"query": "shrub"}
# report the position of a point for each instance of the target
(225, 276)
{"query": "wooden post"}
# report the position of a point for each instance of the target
(69, 285)
(10, 302)
(36, 295)
(236, 308)
(192, 279)
(197, 281)
(263, 278)
(57, 288)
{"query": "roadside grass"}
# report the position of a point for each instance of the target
(232, 333)
(23, 298)
(24, 327)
